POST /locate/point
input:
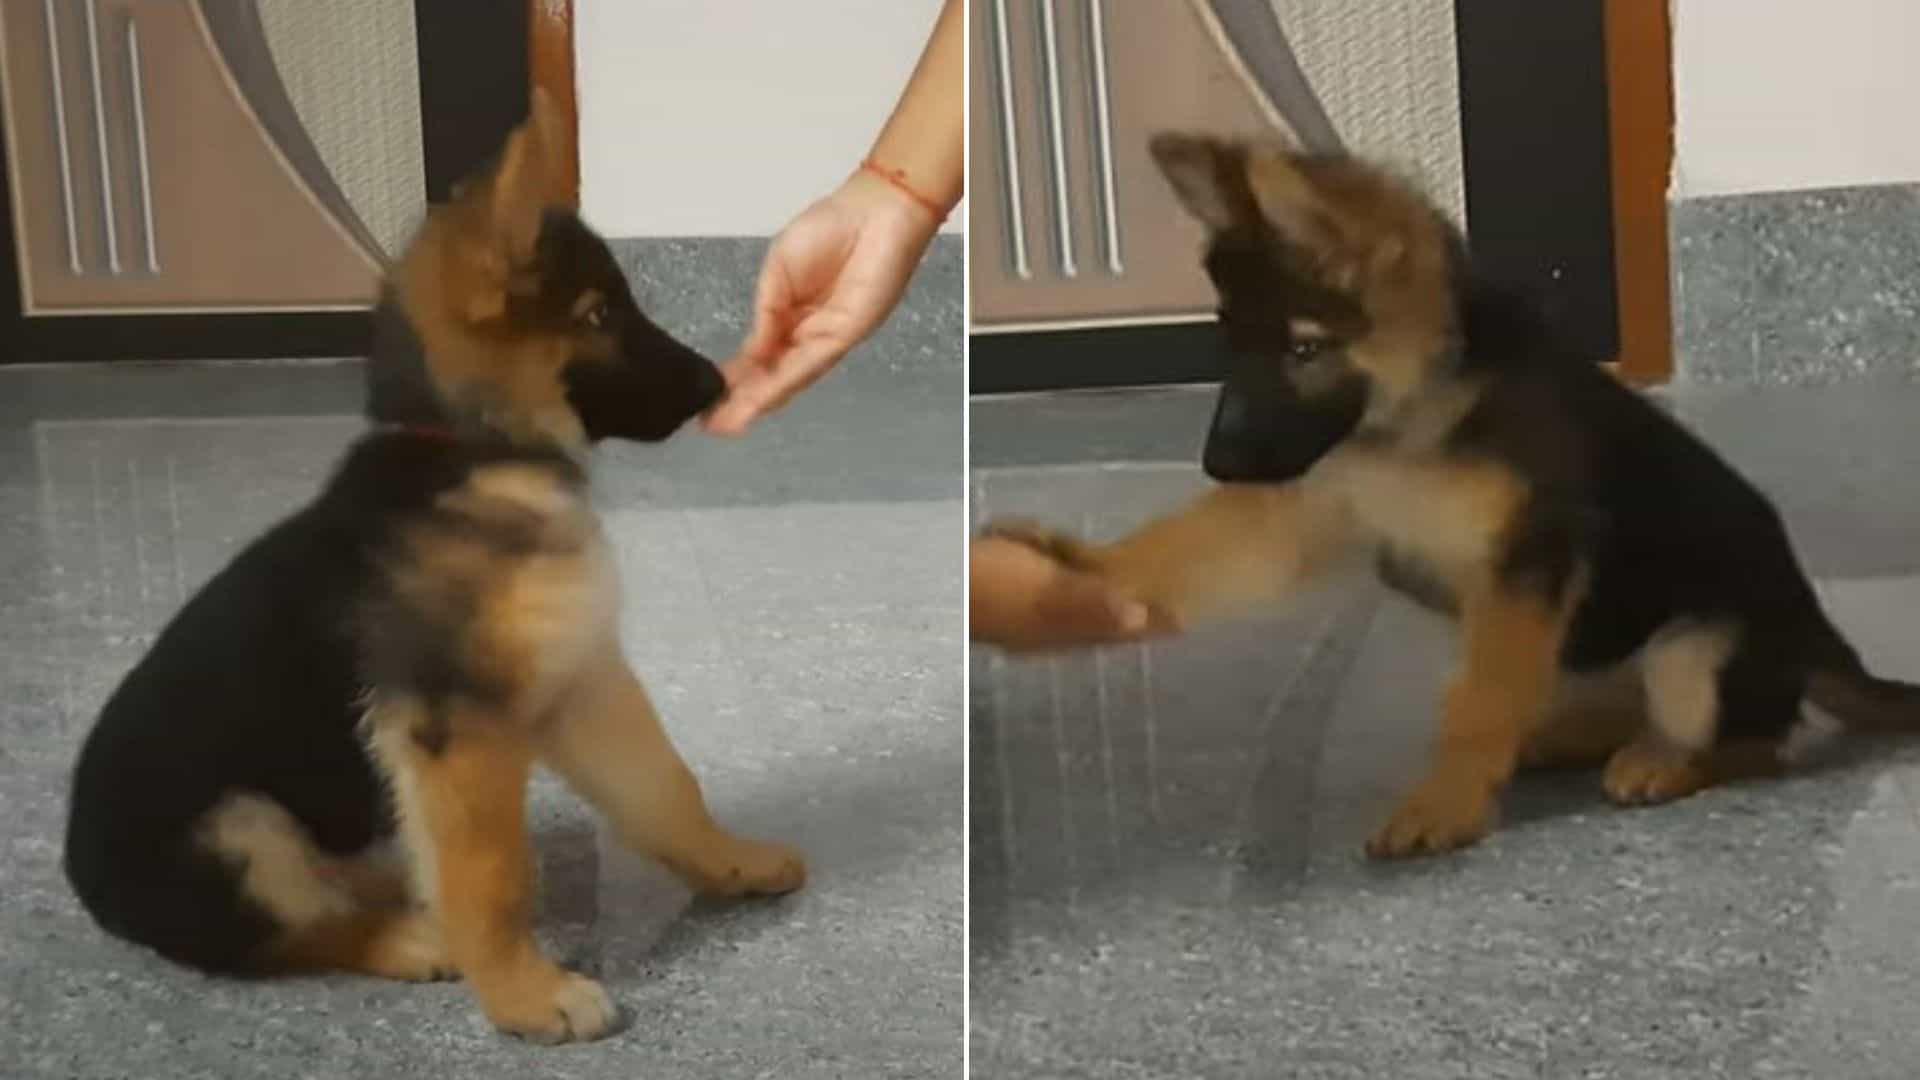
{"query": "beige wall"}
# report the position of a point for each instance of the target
(704, 118)
(1776, 95)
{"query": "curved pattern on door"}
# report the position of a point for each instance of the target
(159, 163)
(1075, 226)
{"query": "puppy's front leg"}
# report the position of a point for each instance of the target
(462, 800)
(607, 742)
(1232, 549)
(1498, 697)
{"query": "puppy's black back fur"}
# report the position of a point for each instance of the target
(1664, 528)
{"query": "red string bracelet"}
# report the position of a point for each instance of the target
(898, 178)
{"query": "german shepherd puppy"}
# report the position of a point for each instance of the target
(1621, 593)
(400, 653)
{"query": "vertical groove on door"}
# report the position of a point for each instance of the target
(1014, 217)
(1103, 137)
(138, 93)
(1058, 179)
(62, 146)
(108, 226)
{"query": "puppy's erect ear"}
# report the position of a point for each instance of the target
(1227, 183)
(1287, 199)
(524, 182)
(1208, 175)
(1351, 218)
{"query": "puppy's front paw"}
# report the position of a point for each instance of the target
(1445, 812)
(743, 867)
(1066, 549)
(548, 1005)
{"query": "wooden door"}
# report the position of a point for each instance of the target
(1071, 223)
(204, 178)
(1084, 273)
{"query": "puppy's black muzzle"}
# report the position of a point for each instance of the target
(1265, 431)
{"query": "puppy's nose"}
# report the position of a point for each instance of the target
(711, 385)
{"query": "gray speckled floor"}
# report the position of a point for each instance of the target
(1167, 879)
(792, 599)
(1797, 287)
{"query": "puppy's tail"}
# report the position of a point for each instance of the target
(1843, 687)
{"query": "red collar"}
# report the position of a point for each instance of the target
(428, 432)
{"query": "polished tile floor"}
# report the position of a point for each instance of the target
(792, 599)
(1167, 878)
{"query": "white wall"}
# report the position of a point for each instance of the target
(1774, 95)
(726, 117)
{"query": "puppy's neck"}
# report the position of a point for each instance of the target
(402, 393)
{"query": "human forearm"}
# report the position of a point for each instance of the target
(923, 144)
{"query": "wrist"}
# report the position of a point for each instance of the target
(880, 195)
(902, 182)
(921, 163)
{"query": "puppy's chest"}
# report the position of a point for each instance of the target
(515, 567)
(1412, 577)
(1434, 524)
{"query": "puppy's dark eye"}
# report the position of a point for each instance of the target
(1305, 349)
(596, 316)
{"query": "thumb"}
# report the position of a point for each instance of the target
(1079, 607)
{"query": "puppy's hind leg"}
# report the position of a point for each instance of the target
(1592, 716)
(318, 903)
(1717, 710)
(607, 742)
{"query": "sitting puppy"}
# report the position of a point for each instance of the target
(1622, 594)
(400, 653)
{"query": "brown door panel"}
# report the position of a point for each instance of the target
(165, 192)
(1087, 256)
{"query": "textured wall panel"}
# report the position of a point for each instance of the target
(1387, 75)
(353, 72)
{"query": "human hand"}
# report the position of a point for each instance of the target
(829, 279)
(1026, 601)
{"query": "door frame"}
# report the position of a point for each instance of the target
(1565, 163)
(477, 62)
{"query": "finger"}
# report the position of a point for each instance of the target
(757, 357)
(1079, 610)
(772, 308)
(772, 320)
(732, 373)
(800, 368)
(765, 389)
(741, 406)
(725, 418)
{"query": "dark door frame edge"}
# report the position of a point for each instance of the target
(1097, 358)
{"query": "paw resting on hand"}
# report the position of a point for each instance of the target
(1068, 550)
